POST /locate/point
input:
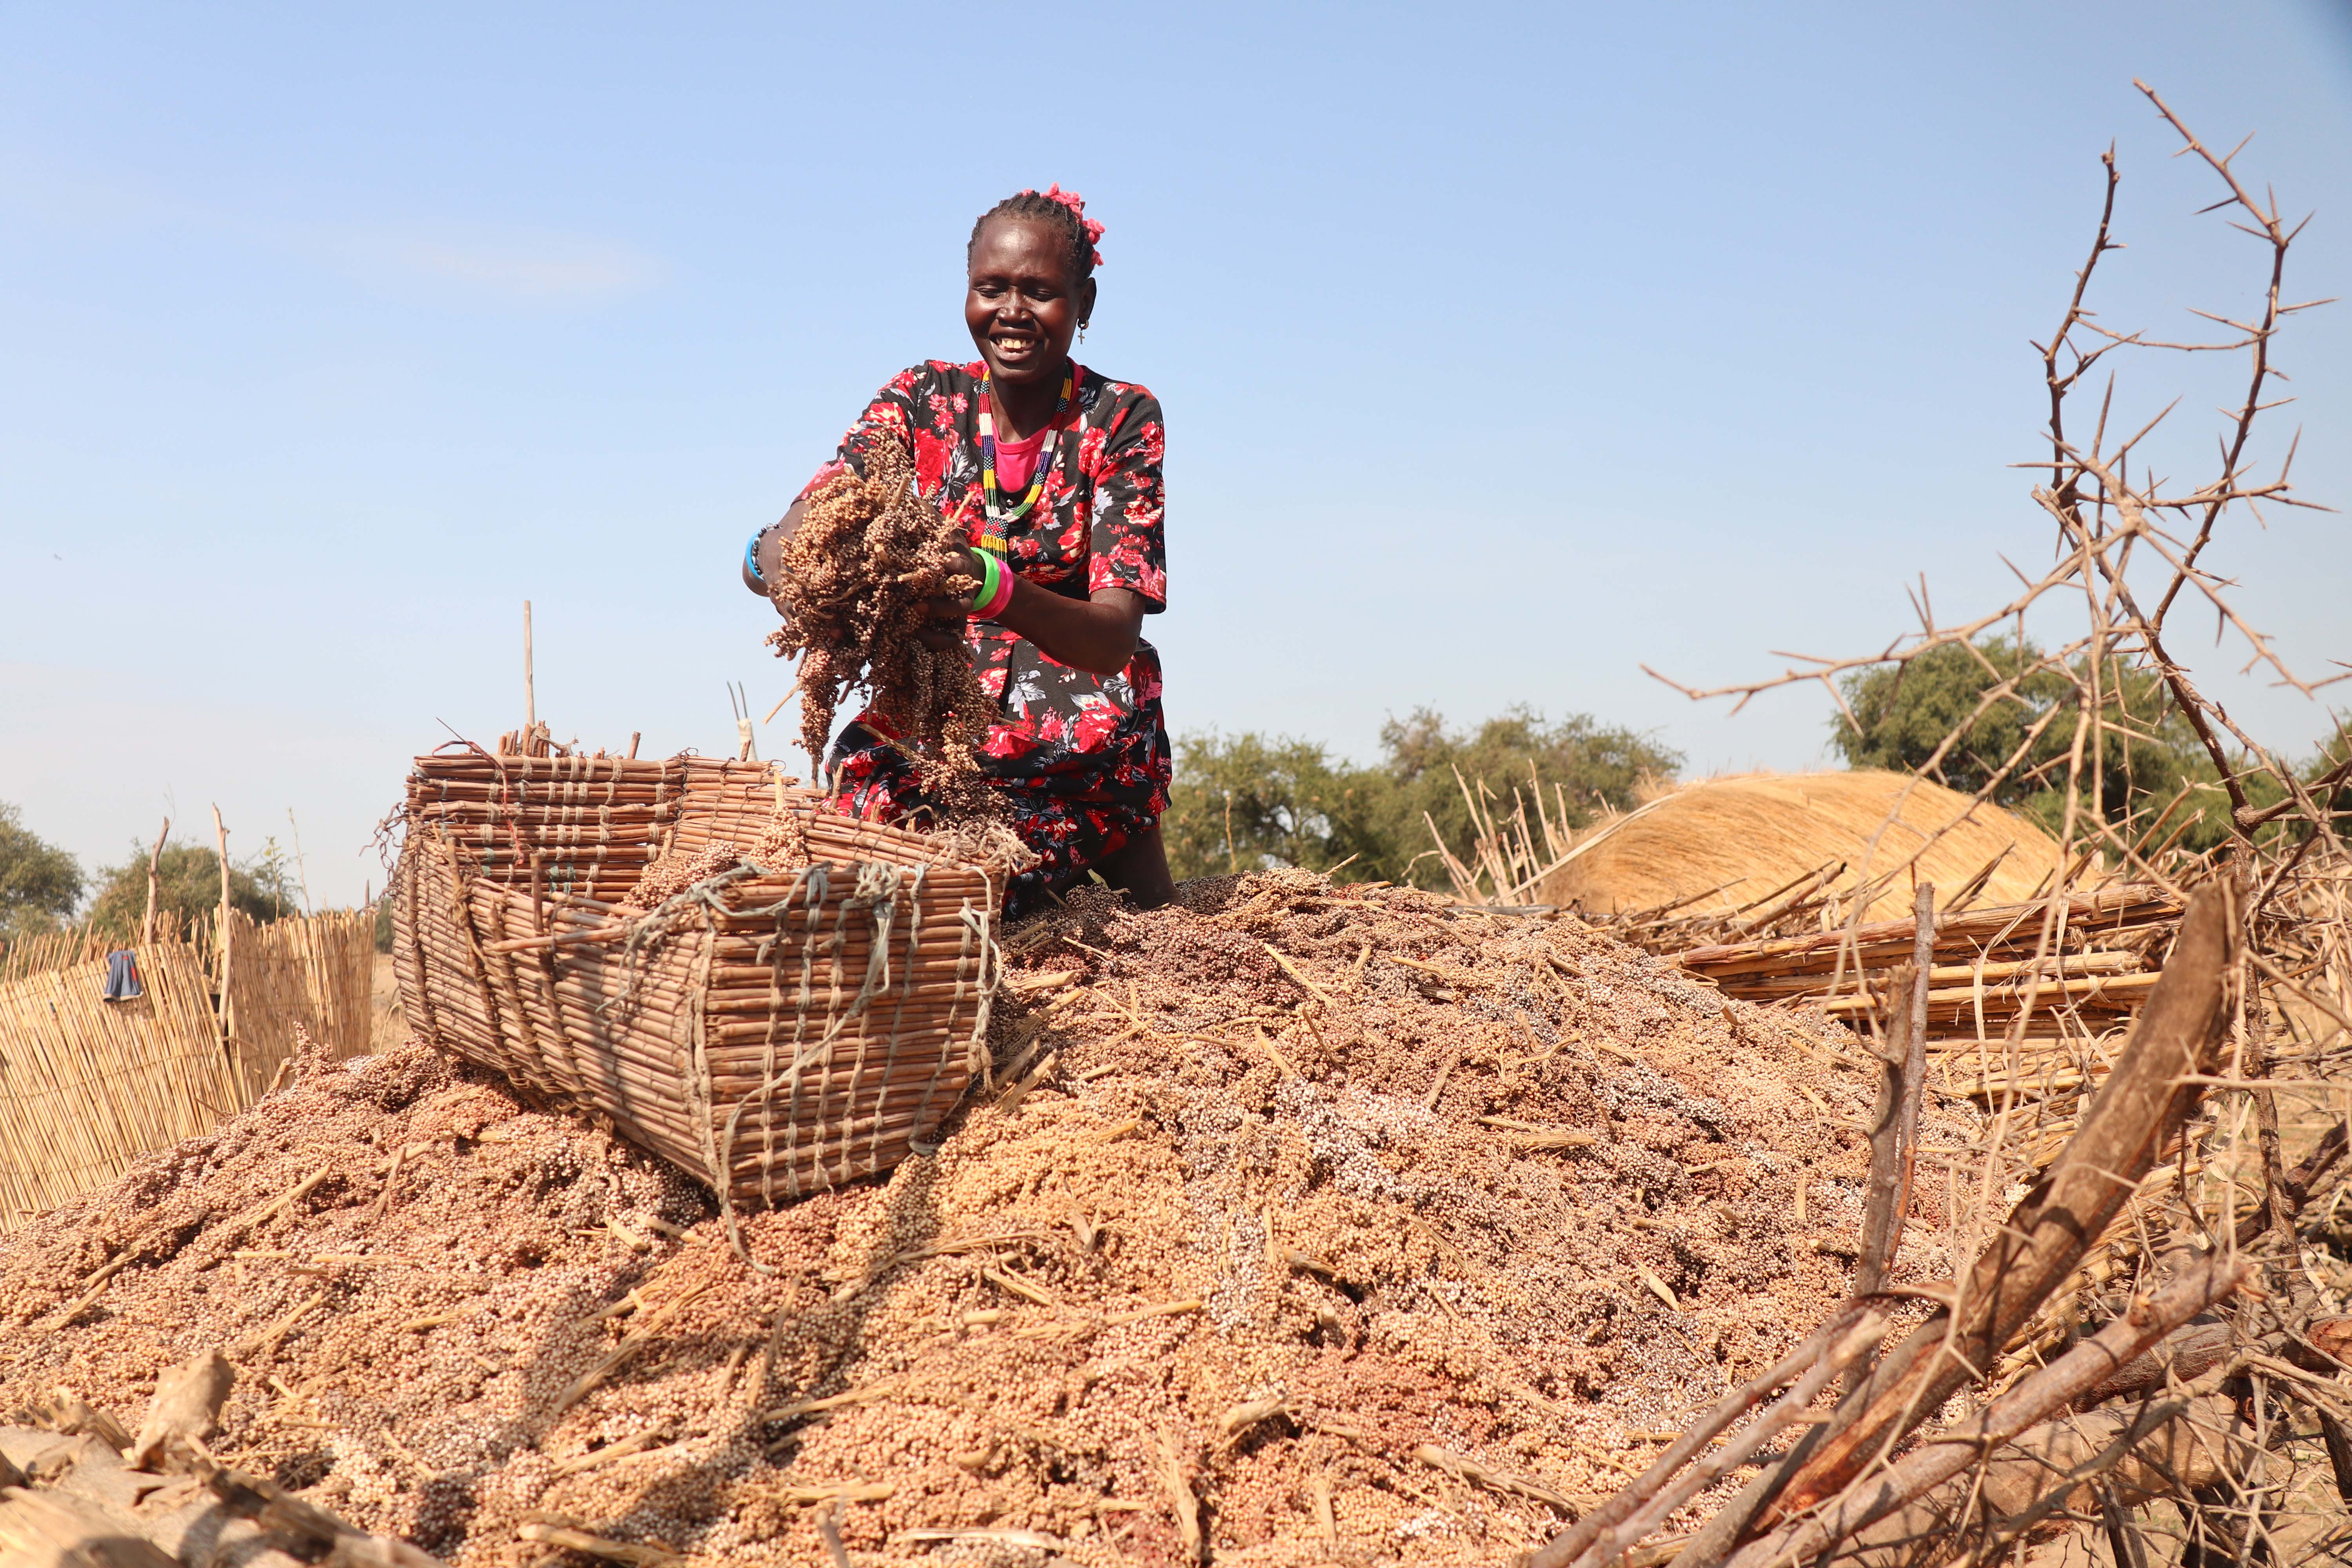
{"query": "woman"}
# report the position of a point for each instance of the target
(1071, 512)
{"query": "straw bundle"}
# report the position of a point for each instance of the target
(773, 1032)
(1712, 846)
(2105, 951)
(87, 1085)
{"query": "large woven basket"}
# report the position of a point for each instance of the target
(773, 1033)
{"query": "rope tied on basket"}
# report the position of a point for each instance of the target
(875, 891)
(976, 923)
(655, 926)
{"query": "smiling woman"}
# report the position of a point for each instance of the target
(1053, 472)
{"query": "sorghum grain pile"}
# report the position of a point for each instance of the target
(1396, 1246)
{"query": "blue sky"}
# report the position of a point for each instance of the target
(1504, 349)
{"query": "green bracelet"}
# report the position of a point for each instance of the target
(991, 578)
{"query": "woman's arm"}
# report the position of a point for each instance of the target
(1097, 634)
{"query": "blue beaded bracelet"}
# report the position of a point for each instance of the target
(751, 559)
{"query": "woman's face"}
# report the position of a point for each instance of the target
(1020, 304)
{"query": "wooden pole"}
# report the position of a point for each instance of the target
(301, 871)
(224, 931)
(147, 926)
(1915, 1064)
(1895, 1123)
(529, 688)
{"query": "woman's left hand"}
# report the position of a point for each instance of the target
(949, 613)
(946, 630)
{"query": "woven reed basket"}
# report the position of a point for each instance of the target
(773, 1033)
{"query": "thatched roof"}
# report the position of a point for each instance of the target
(1735, 839)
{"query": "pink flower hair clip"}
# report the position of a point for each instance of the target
(1077, 205)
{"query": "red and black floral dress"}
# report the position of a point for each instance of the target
(1083, 760)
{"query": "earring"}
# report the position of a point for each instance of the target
(1082, 331)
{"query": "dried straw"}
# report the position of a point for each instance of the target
(1730, 840)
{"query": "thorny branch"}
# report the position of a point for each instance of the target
(2165, 1197)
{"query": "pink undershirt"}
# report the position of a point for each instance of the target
(1016, 463)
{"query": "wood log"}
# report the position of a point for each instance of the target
(2057, 966)
(2138, 1454)
(1944, 1455)
(2143, 1103)
(2105, 908)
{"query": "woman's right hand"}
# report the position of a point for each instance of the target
(762, 557)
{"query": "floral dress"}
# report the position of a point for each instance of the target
(1082, 760)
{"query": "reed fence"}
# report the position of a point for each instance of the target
(309, 975)
(87, 1085)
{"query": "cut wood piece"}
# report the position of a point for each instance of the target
(636, 1443)
(186, 1409)
(43, 1529)
(1169, 1455)
(1470, 1470)
(868, 1395)
(1537, 1135)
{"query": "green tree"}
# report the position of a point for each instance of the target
(2148, 763)
(2332, 795)
(1250, 802)
(1906, 712)
(1581, 765)
(40, 884)
(188, 887)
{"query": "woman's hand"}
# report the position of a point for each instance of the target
(950, 612)
(761, 559)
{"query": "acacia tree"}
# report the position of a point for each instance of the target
(188, 889)
(1250, 802)
(1995, 716)
(1583, 768)
(40, 884)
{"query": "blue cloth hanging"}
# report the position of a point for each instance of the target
(122, 976)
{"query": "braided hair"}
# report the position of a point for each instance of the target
(1061, 210)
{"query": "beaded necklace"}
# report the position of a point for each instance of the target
(1000, 521)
